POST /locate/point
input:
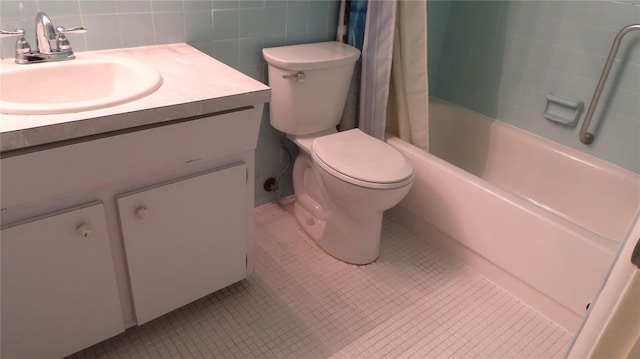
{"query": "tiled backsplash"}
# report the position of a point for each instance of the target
(232, 31)
(501, 58)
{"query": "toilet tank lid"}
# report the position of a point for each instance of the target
(321, 55)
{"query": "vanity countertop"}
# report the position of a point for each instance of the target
(194, 84)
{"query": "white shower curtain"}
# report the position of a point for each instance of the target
(408, 110)
(394, 98)
(376, 67)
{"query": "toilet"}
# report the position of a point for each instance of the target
(343, 181)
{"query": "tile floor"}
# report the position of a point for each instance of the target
(416, 300)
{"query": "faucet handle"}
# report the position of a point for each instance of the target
(22, 45)
(71, 30)
(62, 43)
(15, 33)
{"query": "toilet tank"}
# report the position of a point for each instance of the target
(309, 85)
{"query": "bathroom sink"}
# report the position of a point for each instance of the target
(85, 83)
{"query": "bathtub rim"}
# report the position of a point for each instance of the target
(513, 199)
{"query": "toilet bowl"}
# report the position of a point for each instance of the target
(340, 205)
(343, 181)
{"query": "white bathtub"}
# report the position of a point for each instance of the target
(549, 217)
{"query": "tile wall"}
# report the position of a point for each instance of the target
(438, 17)
(232, 31)
(502, 58)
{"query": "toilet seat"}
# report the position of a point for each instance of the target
(362, 160)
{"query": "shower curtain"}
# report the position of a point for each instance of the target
(395, 30)
(408, 109)
(377, 52)
(351, 29)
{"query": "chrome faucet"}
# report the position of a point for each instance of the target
(45, 32)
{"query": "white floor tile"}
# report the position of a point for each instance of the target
(415, 301)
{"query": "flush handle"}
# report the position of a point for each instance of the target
(297, 76)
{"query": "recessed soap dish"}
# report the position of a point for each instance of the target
(562, 111)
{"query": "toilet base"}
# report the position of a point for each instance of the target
(351, 240)
(310, 224)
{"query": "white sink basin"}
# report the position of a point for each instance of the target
(86, 83)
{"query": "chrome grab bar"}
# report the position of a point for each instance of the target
(587, 137)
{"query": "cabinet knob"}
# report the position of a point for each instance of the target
(84, 230)
(143, 213)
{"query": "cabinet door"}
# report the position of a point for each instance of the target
(59, 292)
(185, 239)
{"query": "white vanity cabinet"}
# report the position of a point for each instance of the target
(59, 292)
(185, 239)
(162, 186)
(174, 223)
